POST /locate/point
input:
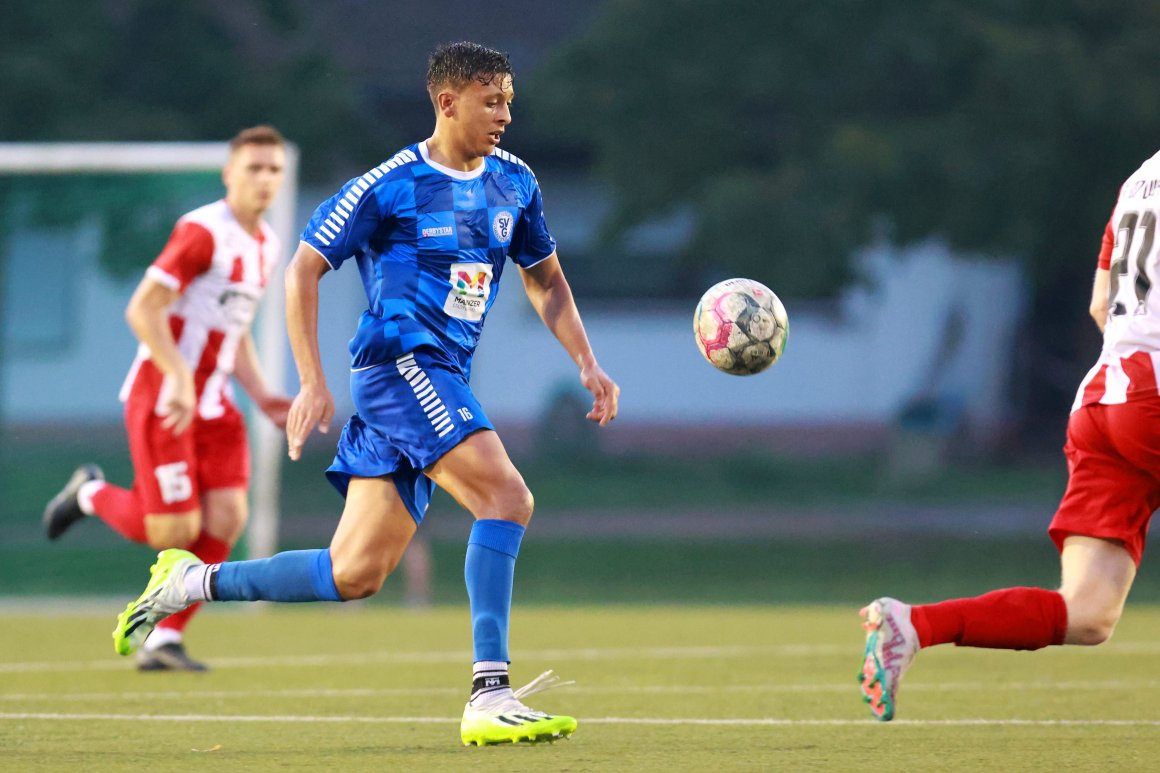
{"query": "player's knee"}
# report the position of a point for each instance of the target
(1092, 631)
(229, 527)
(523, 506)
(359, 579)
(509, 501)
(172, 531)
(1090, 626)
(224, 515)
(516, 504)
(357, 585)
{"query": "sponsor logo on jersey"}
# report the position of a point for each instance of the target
(501, 226)
(470, 288)
(443, 230)
(238, 305)
(468, 283)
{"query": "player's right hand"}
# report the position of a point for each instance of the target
(178, 403)
(313, 406)
(605, 393)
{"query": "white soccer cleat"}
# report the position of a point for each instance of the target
(508, 720)
(164, 595)
(891, 644)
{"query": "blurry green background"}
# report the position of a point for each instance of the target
(684, 142)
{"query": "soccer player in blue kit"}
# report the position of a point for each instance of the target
(430, 230)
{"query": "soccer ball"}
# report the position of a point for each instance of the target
(740, 326)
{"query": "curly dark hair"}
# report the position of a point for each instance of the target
(456, 64)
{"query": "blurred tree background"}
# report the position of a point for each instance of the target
(796, 130)
(136, 70)
(785, 134)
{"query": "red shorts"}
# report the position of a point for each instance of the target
(1113, 487)
(171, 470)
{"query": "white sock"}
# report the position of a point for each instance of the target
(196, 585)
(160, 637)
(489, 682)
(85, 495)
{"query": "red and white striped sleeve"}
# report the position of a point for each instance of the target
(187, 255)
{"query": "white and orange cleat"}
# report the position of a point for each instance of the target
(891, 644)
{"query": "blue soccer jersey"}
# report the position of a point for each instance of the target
(431, 244)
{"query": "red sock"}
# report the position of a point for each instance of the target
(1008, 619)
(121, 509)
(211, 550)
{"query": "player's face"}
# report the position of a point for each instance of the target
(253, 175)
(483, 112)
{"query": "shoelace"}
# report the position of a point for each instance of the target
(548, 680)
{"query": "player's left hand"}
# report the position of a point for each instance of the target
(605, 393)
(276, 408)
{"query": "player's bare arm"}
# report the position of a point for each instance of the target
(248, 372)
(1099, 305)
(148, 318)
(314, 405)
(551, 296)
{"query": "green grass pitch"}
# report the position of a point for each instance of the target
(695, 688)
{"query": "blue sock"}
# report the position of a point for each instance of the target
(295, 575)
(489, 570)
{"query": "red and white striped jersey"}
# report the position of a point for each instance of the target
(221, 272)
(1130, 360)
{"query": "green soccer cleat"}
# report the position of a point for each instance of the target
(164, 595)
(508, 720)
(891, 644)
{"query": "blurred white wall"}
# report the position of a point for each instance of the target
(924, 323)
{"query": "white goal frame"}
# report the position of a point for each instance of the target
(36, 158)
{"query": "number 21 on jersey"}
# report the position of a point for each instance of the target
(1130, 281)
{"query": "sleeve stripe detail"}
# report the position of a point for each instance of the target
(509, 157)
(163, 277)
(504, 155)
(332, 225)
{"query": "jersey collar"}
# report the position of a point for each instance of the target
(448, 171)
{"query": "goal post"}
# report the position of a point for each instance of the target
(176, 157)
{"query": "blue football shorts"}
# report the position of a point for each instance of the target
(411, 411)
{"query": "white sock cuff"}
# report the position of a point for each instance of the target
(489, 666)
(196, 587)
(85, 495)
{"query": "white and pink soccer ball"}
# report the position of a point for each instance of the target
(740, 326)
